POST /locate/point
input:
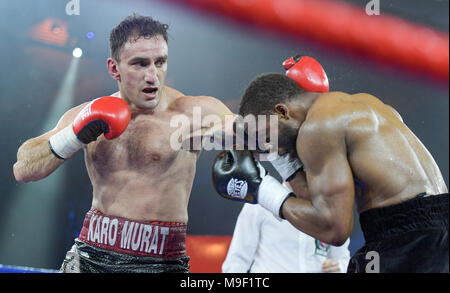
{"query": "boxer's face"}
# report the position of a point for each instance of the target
(285, 140)
(291, 116)
(142, 71)
(287, 137)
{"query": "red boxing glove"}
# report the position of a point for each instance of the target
(307, 73)
(108, 115)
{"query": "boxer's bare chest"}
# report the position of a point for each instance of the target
(145, 144)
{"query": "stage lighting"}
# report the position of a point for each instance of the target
(77, 52)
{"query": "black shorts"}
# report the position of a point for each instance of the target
(85, 258)
(409, 237)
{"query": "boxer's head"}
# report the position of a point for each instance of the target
(138, 60)
(276, 94)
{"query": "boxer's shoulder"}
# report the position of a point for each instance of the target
(328, 106)
(171, 93)
(374, 103)
(206, 104)
(329, 116)
(342, 105)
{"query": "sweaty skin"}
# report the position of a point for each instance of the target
(138, 175)
(354, 149)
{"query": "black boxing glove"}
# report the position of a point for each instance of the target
(238, 176)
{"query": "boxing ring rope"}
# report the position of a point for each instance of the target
(381, 37)
(19, 269)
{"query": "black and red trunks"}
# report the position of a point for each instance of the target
(114, 244)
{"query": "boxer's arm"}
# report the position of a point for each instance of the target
(220, 132)
(216, 126)
(35, 160)
(341, 254)
(327, 214)
(298, 183)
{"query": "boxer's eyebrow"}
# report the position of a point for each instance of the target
(161, 58)
(138, 59)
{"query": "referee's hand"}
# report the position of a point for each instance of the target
(330, 266)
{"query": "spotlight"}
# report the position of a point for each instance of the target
(77, 52)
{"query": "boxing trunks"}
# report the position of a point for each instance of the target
(109, 244)
(409, 237)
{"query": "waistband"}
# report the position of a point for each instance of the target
(156, 239)
(430, 212)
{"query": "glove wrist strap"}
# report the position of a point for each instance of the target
(272, 194)
(65, 143)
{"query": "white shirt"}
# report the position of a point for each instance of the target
(263, 244)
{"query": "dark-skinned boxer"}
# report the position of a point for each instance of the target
(334, 150)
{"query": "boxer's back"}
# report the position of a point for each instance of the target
(388, 161)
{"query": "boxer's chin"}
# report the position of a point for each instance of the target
(287, 140)
(149, 101)
(152, 104)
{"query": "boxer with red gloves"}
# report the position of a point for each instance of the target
(335, 149)
(141, 181)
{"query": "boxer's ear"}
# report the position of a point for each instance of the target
(113, 68)
(282, 110)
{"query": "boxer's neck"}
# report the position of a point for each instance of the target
(298, 108)
(307, 99)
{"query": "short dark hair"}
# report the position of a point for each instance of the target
(134, 27)
(267, 90)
